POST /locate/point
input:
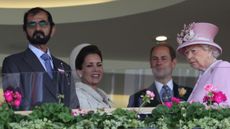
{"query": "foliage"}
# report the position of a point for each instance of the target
(183, 115)
(7, 115)
(37, 124)
(53, 112)
(187, 116)
(49, 116)
(118, 119)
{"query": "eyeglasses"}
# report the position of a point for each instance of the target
(41, 23)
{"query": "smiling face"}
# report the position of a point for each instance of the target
(162, 63)
(198, 56)
(92, 70)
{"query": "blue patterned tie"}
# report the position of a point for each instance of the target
(166, 94)
(48, 66)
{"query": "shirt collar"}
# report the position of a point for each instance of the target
(37, 51)
(159, 85)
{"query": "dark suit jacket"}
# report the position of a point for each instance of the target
(25, 72)
(135, 100)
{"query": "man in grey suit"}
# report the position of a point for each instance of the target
(35, 72)
(162, 62)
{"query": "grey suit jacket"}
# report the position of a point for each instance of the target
(24, 72)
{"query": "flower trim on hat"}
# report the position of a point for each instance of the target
(187, 34)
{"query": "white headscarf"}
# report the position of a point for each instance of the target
(72, 59)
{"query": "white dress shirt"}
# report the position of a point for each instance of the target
(159, 85)
(39, 53)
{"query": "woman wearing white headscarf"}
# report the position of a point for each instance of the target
(86, 64)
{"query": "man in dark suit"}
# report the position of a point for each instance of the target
(162, 62)
(38, 75)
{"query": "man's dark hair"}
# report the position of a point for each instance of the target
(35, 11)
(171, 49)
(91, 49)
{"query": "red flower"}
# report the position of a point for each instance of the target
(16, 103)
(8, 96)
(175, 100)
(17, 95)
(213, 96)
(206, 98)
(219, 97)
(168, 104)
(13, 98)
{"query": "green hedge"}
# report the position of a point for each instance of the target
(183, 115)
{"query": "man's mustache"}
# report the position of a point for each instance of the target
(38, 35)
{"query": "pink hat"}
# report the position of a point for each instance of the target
(197, 33)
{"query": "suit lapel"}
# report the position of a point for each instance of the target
(58, 76)
(56, 64)
(35, 66)
(154, 89)
(32, 61)
(175, 90)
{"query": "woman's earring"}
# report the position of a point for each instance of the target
(79, 73)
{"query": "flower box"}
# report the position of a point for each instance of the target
(176, 115)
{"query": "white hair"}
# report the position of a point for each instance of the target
(214, 50)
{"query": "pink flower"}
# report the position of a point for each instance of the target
(78, 112)
(209, 88)
(168, 104)
(219, 97)
(175, 100)
(191, 101)
(13, 98)
(17, 95)
(16, 103)
(74, 113)
(150, 94)
(8, 96)
(213, 96)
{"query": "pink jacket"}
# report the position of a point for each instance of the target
(218, 74)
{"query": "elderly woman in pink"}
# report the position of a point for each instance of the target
(196, 43)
